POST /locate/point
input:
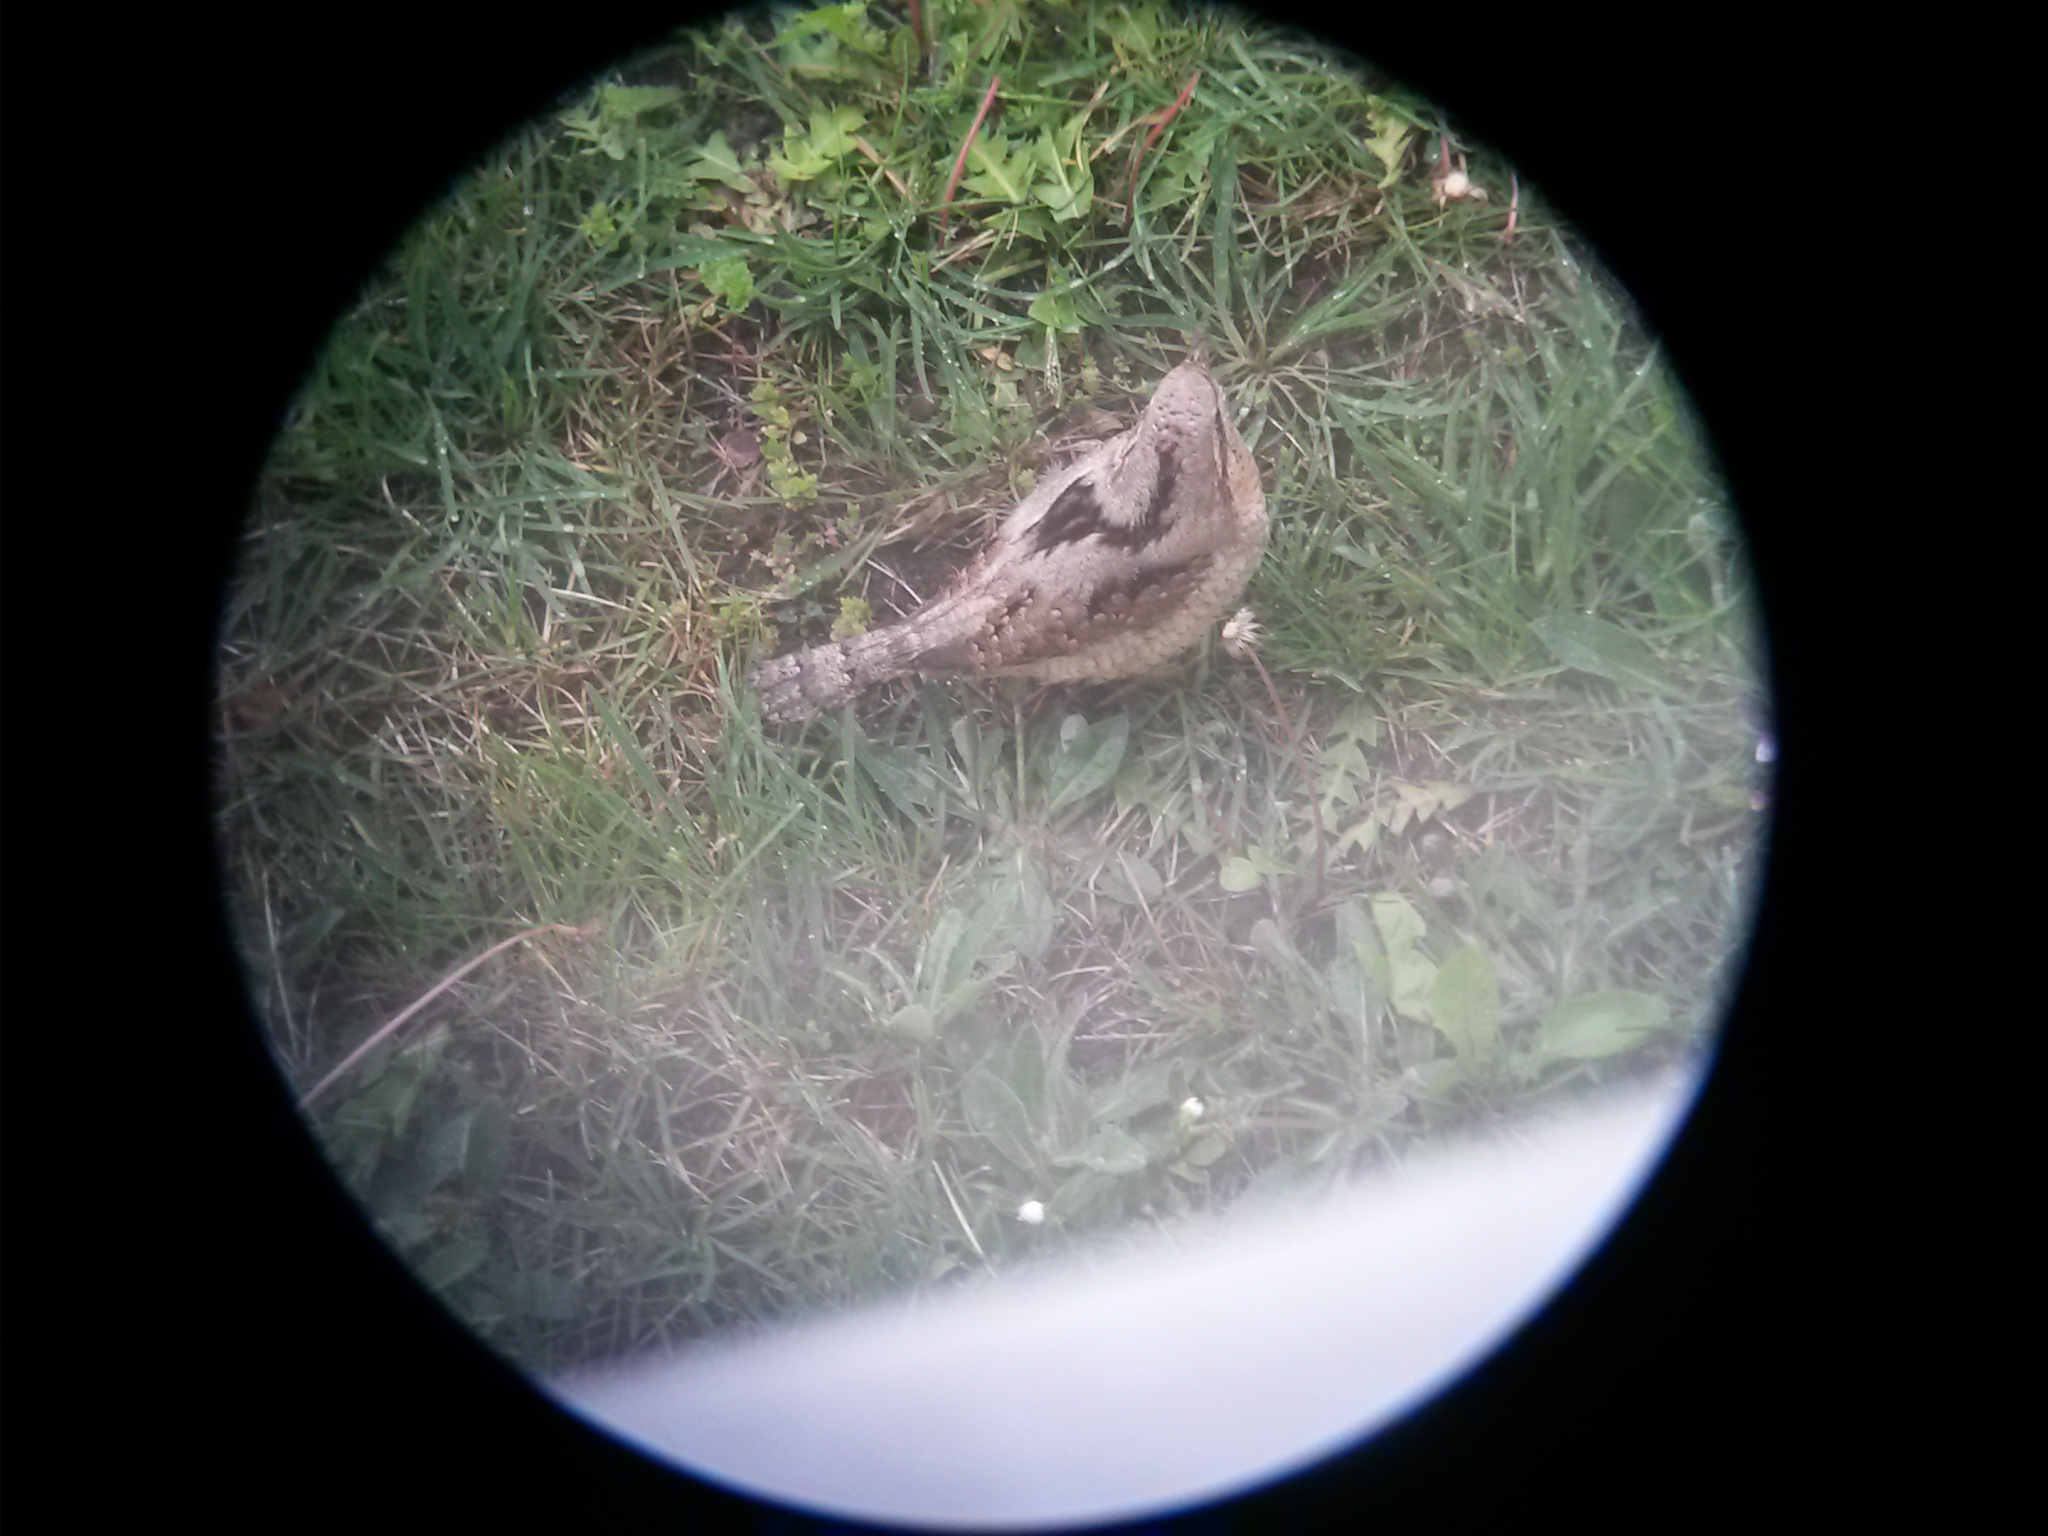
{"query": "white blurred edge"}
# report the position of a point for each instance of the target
(1166, 1372)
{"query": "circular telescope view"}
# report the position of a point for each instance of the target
(992, 765)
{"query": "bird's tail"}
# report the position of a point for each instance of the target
(799, 685)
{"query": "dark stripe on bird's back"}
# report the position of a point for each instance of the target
(1162, 488)
(1077, 512)
(1143, 597)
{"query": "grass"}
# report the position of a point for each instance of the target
(705, 365)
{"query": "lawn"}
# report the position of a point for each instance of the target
(748, 344)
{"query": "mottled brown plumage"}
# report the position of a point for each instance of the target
(1109, 567)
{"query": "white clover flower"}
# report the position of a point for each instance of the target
(1031, 1213)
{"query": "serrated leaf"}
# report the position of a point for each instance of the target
(808, 154)
(1389, 141)
(1067, 190)
(797, 161)
(716, 162)
(1465, 1002)
(997, 174)
(833, 130)
(1601, 1023)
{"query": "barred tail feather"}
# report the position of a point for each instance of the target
(798, 685)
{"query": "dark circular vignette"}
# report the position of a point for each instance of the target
(287, 1361)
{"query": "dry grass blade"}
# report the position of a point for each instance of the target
(391, 1027)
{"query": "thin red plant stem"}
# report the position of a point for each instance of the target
(960, 164)
(1138, 159)
(386, 1031)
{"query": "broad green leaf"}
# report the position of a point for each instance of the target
(625, 103)
(1082, 1189)
(1238, 874)
(539, 1294)
(1465, 1000)
(1143, 1087)
(1413, 980)
(1037, 919)
(1593, 645)
(451, 1261)
(915, 1020)
(1269, 941)
(487, 1153)
(695, 251)
(935, 972)
(1056, 312)
(905, 777)
(1087, 758)
(994, 1110)
(1601, 1023)
(989, 919)
(1352, 991)
(1400, 925)
(1111, 1150)
(1130, 878)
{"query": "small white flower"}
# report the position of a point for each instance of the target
(1450, 183)
(1031, 1213)
(1192, 1108)
(1241, 634)
(1766, 748)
